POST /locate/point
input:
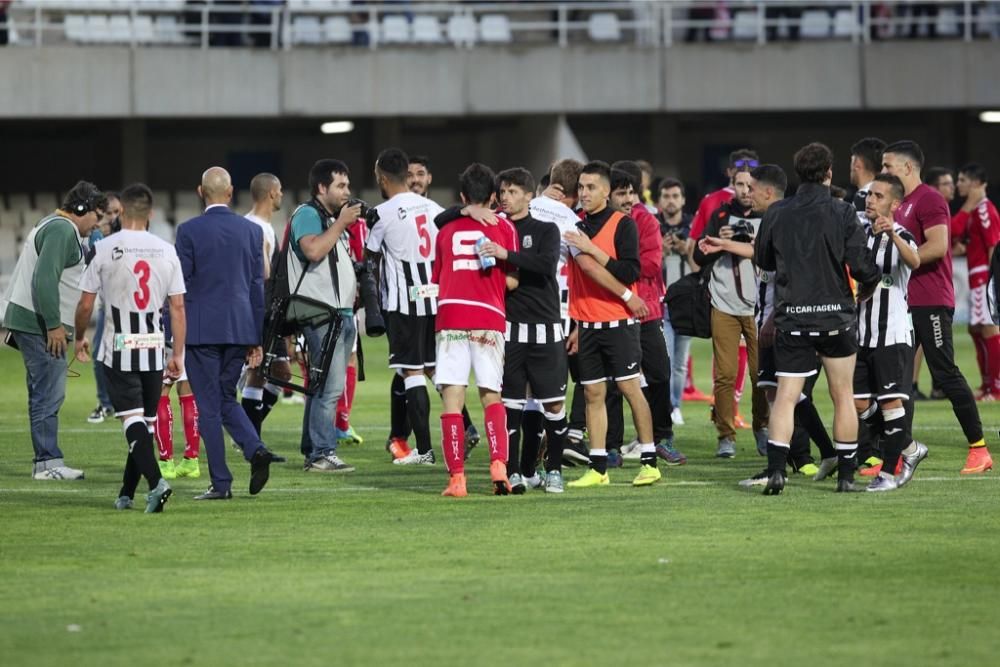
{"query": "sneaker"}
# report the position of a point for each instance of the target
(825, 469)
(760, 436)
(188, 468)
(498, 475)
(553, 482)
(979, 460)
(846, 486)
(870, 467)
(647, 475)
(614, 458)
(534, 482)
(349, 437)
(99, 415)
(415, 458)
(517, 486)
(471, 440)
(727, 449)
(59, 472)
(329, 463)
(910, 463)
(695, 395)
(881, 483)
(809, 469)
(167, 468)
(670, 455)
(775, 483)
(676, 417)
(590, 478)
(632, 451)
(397, 447)
(739, 422)
(158, 497)
(575, 453)
(456, 486)
(760, 479)
(124, 503)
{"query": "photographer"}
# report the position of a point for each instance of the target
(319, 248)
(733, 288)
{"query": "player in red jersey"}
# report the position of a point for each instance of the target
(979, 223)
(470, 325)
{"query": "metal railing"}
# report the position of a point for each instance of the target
(654, 24)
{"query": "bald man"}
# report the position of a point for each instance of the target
(222, 258)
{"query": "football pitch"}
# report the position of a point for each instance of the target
(375, 568)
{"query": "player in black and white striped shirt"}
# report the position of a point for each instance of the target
(135, 272)
(882, 375)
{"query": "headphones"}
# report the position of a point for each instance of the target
(84, 206)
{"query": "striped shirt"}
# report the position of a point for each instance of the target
(133, 273)
(566, 219)
(765, 297)
(534, 334)
(405, 235)
(884, 318)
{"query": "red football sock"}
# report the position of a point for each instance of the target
(689, 382)
(164, 431)
(453, 442)
(496, 431)
(347, 399)
(982, 358)
(992, 345)
(190, 411)
(741, 374)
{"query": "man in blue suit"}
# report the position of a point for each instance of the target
(223, 262)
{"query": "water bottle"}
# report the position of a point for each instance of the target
(485, 262)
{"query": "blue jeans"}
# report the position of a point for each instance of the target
(46, 379)
(679, 349)
(319, 433)
(102, 390)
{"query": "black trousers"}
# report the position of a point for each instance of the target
(932, 326)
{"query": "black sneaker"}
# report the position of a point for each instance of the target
(846, 486)
(575, 453)
(760, 479)
(775, 483)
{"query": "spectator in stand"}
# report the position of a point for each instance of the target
(791, 13)
(981, 224)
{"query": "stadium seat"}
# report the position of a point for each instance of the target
(46, 201)
(31, 216)
(161, 198)
(845, 24)
(745, 25)
(495, 29)
(143, 27)
(9, 248)
(167, 30)
(426, 30)
(184, 213)
(462, 30)
(97, 28)
(815, 24)
(75, 28)
(187, 199)
(306, 30)
(337, 30)
(948, 22)
(120, 29)
(395, 30)
(17, 201)
(604, 27)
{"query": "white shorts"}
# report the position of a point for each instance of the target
(979, 308)
(478, 350)
(167, 380)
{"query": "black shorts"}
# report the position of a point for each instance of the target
(540, 366)
(411, 341)
(796, 355)
(884, 373)
(766, 367)
(134, 392)
(655, 358)
(609, 354)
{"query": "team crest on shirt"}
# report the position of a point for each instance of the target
(117, 253)
(765, 277)
(887, 282)
(526, 243)
(402, 213)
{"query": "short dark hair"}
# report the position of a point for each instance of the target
(518, 176)
(668, 183)
(322, 173)
(393, 163)
(932, 175)
(597, 167)
(869, 151)
(261, 186)
(909, 148)
(895, 185)
(742, 154)
(632, 169)
(421, 160)
(477, 183)
(838, 192)
(771, 174)
(137, 201)
(84, 195)
(975, 171)
(812, 162)
(621, 179)
(544, 181)
(566, 174)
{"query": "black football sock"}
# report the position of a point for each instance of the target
(418, 411)
(896, 437)
(533, 426)
(777, 456)
(555, 437)
(140, 448)
(514, 416)
(399, 426)
(847, 460)
(599, 460)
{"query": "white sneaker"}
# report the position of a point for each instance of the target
(415, 458)
(676, 417)
(535, 481)
(632, 451)
(59, 472)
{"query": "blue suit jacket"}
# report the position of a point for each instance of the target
(222, 257)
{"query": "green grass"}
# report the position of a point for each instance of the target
(376, 568)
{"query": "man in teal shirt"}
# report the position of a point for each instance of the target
(40, 306)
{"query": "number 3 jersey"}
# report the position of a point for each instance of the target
(469, 296)
(133, 273)
(405, 235)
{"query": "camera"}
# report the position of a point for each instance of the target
(743, 231)
(680, 235)
(369, 213)
(368, 291)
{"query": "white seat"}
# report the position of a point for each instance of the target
(75, 27)
(462, 30)
(8, 249)
(18, 200)
(815, 24)
(187, 199)
(948, 23)
(143, 27)
(161, 198)
(46, 201)
(166, 29)
(426, 30)
(31, 217)
(495, 29)
(395, 30)
(745, 24)
(97, 28)
(604, 27)
(306, 30)
(120, 29)
(183, 213)
(337, 30)
(845, 24)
